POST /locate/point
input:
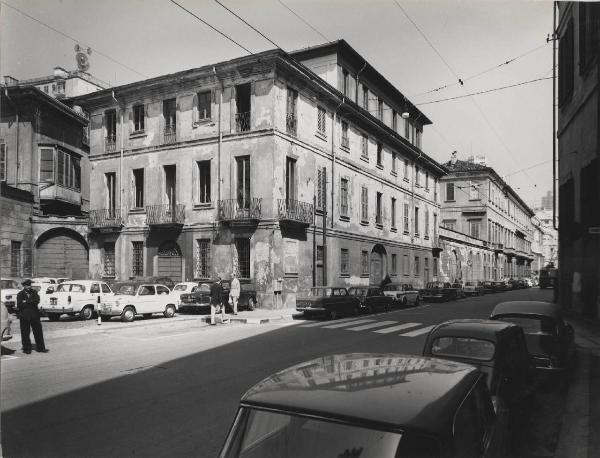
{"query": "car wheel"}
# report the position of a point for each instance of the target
(87, 312)
(169, 311)
(53, 316)
(251, 304)
(128, 314)
(332, 314)
(147, 315)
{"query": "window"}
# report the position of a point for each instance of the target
(566, 66)
(435, 190)
(345, 140)
(243, 181)
(407, 126)
(417, 266)
(427, 180)
(379, 154)
(435, 224)
(138, 188)
(109, 259)
(291, 107)
(364, 204)
(474, 227)
(138, 118)
(111, 192)
(46, 89)
(365, 98)
(110, 126)
(204, 182)
(406, 218)
(242, 248)
(344, 261)
(204, 105)
(364, 262)
(170, 117)
(406, 170)
(417, 173)
(418, 135)
(417, 221)
(202, 259)
(321, 124)
(365, 147)
(393, 213)
(394, 121)
(137, 264)
(426, 269)
(2, 162)
(68, 168)
(394, 163)
(449, 224)
(405, 265)
(435, 266)
(47, 164)
(321, 188)
(394, 264)
(15, 258)
(344, 197)
(427, 223)
(378, 209)
(290, 180)
(346, 83)
(450, 191)
(473, 191)
(380, 108)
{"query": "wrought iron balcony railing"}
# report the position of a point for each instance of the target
(110, 144)
(242, 122)
(165, 215)
(239, 209)
(291, 124)
(295, 211)
(170, 134)
(106, 218)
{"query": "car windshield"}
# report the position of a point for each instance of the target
(463, 347)
(9, 284)
(357, 291)
(180, 287)
(70, 287)
(128, 290)
(263, 434)
(531, 324)
(320, 292)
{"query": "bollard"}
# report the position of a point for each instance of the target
(98, 312)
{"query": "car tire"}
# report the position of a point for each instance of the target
(251, 304)
(147, 316)
(87, 312)
(128, 314)
(169, 311)
(53, 316)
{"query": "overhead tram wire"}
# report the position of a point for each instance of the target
(74, 39)
(304, 21)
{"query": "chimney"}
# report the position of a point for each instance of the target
(453, 159)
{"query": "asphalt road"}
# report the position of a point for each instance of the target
(172, 389)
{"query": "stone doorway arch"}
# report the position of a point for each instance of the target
(377, 264)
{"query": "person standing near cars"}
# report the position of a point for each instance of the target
(29, 318)
(216, 300)
(234, 292)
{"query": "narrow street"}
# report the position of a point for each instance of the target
(171, 387)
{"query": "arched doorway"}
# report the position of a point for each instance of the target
(169, 260)
(61, 252)
(377, 266)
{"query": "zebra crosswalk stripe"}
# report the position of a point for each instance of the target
(417, 332)
(377, 324)
(321, 323)
(400, 327)
(350, 323)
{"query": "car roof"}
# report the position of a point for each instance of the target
(527, 308)
(81, 282)
(425, 391)
(484, 329)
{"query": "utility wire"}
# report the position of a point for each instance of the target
(212, 27)
(303, 20)
(522, 83)
(528, 168)
(74, 39)
(250, 25)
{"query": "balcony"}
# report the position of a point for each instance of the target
(165, 215)
(239, 211)
(110, 144)
(294, 212)
(510, 251)
(170, 134)
(291, 124)
(498, 247)
(106, 220)
(51, 191)
(242, 122)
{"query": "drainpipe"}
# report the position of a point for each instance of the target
(121, 188)
(554, 139)
(314, 254)
(220, 136)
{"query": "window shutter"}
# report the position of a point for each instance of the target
(195, 115)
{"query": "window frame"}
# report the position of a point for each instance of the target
(204, 189)
(364, 204)
(204, 111)
(344, 187)
(321, 121)
(137, 258)
(344, 261)
(450, 186)
(139, 119)
(138, 192)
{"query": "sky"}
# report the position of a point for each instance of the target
(419, 46)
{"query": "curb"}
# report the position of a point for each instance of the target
(257, 320)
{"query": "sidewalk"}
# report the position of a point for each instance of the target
(258, 316)
(579, 436)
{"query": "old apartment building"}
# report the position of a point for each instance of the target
(291, 170)
(478, 203)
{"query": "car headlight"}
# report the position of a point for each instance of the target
(8, 298)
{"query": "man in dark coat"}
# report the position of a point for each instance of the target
(29, 318)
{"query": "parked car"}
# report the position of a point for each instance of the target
(43, 287)
(502, 285)
(496, 348)
(460, 292)
(550, 341)
(198, 299)
(75, 298)
(247, 298)
(371, 298)
(166, 281)
(489, 287)
(528, 282)
(369, 405)
(473, 288)
(404, 294)
(133, 298)
(439, 291)
(182, 288)
(333, 301)
(10, 288)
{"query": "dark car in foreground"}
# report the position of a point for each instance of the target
(496, 348)
(368, 405)
(371, 298)
(439, 291)
(550, 341)
(332, 301)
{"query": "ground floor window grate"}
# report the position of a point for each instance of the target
(15, 258)
(109, 259)
(242, 247)
(202, 259)
(138, 259)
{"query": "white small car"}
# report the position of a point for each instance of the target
(77, 297)
(182, 288)
(10, 288)
(133, 299)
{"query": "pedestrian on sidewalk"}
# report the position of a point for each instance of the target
(234, 292)
(29, 318)
(216, 301)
